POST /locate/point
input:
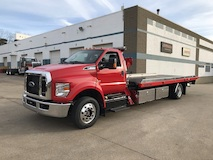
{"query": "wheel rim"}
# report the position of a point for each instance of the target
(179, 91)
(88, 113)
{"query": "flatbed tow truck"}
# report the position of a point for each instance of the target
(24, 64)
(92, 81)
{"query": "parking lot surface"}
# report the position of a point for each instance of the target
(161, 130)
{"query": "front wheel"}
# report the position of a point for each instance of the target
(85, 112)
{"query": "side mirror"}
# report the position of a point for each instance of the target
(112, 63)
(101, 65)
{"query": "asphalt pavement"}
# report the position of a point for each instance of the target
(160, 130)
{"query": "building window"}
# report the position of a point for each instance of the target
(207, 69)
(169, 29)
(177, 32)
(190, 37)
(184, 35)
(149, 21)
(159, 25)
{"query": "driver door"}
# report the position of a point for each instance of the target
(112, 80)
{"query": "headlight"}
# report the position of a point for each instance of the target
(62, 89)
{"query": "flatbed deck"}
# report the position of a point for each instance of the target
(153, 80)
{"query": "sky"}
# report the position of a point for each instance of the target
(35, 17)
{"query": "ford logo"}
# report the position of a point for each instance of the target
(31, 84)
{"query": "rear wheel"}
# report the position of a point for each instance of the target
(12, 72)
(85, 112)
(7, 72)
(176, 91)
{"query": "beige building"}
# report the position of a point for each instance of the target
(20, 36)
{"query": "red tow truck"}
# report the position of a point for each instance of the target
(92, 81)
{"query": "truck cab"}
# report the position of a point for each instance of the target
(94, 76)
(26, 63)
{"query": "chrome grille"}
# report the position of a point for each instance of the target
(43, 86)
(32, 84)
(38, 84)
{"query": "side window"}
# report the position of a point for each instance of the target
(109, 55)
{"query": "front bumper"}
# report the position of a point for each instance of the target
(46, 108)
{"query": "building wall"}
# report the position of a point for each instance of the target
(205, 68)
(130, 36)
(169, 63)
(100, 31)
(142, 31)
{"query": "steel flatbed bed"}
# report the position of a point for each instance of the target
(154, 80)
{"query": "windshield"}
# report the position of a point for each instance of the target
(84, 57)
(30, 59)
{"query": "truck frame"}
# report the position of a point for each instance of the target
(92, 81)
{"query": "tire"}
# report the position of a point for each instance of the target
(176, 91)
(85, 112)
(12, 72)
(9, 72)
(19, 73)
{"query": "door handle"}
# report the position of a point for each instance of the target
(122, 73)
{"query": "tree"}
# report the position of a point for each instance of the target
(9, 36)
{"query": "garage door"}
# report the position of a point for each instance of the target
(39, 57)
(5, 61)
(14, 61)
(106, 45)
(55, 57)
(73, 50)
